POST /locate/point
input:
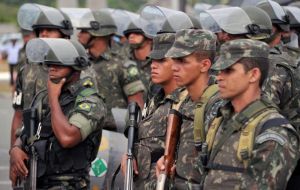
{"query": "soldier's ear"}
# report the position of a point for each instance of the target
(205, 65)
(255, 75)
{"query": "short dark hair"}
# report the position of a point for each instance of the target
(261, 63)
(205, 54)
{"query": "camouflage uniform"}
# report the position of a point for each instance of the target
(188, 174)
(144, 68)
(116, 80)
(267, 164)
(152, 129)
(31, 79)
(151, 137)
(84, 109)
(281, 86)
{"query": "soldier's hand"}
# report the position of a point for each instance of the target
(17, 162)
(54, 89)
(13, 177)
(124, 165)
(160, 167)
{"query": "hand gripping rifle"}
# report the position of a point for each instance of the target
(30, 116)
(134, 115)
(172, 136)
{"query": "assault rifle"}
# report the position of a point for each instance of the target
(134, 115)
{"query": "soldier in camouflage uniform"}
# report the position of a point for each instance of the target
(117, 79)
(282, 84)
(193, 52)
(152, 128)
(250, 145)
(140, 48)
(32, 78)
(71, 118)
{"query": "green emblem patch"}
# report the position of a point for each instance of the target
(133, 71)
(85, 106)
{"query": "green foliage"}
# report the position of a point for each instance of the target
(20, 2)
(8, 13)
(131, 5)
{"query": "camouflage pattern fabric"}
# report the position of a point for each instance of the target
(188, 41)
(84, 109)
(274, 156)
(234, 50)
(151, 137)
(144, 69)
(161, 44)
(34, 79)
(187, 166)
(116, 79)
(282, 84)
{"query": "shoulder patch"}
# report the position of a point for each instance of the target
(85, 106)
(270, 136)
(133, 71)
(88, 82)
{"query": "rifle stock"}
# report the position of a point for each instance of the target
(173, 131)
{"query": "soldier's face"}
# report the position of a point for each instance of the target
(161, 71)
(135, 38)
(233, 82)
(56, 72)
(49, 33)
(83, 37)
(186, 70)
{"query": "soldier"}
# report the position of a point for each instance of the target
(32, 78)
(250, 145)
(140, 47)
(71, 115)
(193, 52)
(152, 128)
(118, 80)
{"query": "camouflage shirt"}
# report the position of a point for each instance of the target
(274, 155)
(116, 79)
(187, 167)
(151, 137)
(83, 108)
(144, 68)
(31, 79)
(282, 84)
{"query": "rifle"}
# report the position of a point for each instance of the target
(172, 136)
(134, 114)
(30, 116)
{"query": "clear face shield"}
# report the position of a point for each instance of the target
(29, 14)
(232, 20)
(164, 19)
(75, 14)
(48, 51)
(122, 18)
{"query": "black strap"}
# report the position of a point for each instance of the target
(273, 122)
(215, 166)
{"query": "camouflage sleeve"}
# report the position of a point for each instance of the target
(277, 87)
(88, 115)
(17, 102)
(275, 156)
(130, 80)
